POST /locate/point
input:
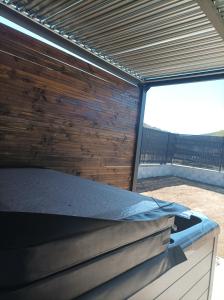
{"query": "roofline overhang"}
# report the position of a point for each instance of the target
(213, 15)
(35, 27)
(185, 78)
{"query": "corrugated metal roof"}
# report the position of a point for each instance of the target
(220, 6)
(146, 38)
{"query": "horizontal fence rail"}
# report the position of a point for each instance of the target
(193, 150)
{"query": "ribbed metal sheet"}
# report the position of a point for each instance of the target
(146, 38)
(220, 6)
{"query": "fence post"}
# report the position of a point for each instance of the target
(174, 144)
(167, 147)
(142, 101)
(221, 156)
(171, 143)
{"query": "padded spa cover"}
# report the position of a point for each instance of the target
(36, 245)
(51, 221)
(128, 283)
(84, 277)
(118, 288)
(51, 192)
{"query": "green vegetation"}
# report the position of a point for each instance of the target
(217, 133)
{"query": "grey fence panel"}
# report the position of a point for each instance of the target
(193, 150)
(155, 146)
(200, 151)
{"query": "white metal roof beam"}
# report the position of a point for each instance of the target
(213, 15)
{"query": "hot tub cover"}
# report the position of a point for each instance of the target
(37, 245)
(52, 192)
(75, 281)
(51, 221)
(128, 283)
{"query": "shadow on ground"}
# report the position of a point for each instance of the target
(155, 183)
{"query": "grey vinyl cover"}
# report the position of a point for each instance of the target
(128, 283)
(82, 278)
(50, 192)
(34, 246)
(51, 221)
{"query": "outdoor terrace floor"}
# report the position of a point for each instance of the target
(203, 198)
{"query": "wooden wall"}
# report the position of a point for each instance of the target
(61, 113)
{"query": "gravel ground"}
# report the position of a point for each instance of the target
(206, 199)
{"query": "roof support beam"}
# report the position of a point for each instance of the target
(185, 78)
(142, 97)
(29, 24)
(213, 15)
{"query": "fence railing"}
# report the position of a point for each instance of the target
(192, 150)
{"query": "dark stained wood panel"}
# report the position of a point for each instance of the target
(59, 112)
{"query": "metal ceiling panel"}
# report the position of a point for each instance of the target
(147, 39)
(220, 6)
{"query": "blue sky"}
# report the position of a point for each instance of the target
(193, 108)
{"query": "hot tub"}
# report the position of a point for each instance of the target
(63, 236)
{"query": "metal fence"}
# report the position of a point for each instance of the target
(192, 150)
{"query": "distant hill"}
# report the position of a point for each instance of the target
(217, 133)
(151, 127)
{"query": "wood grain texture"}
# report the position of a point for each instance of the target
(59, 112)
